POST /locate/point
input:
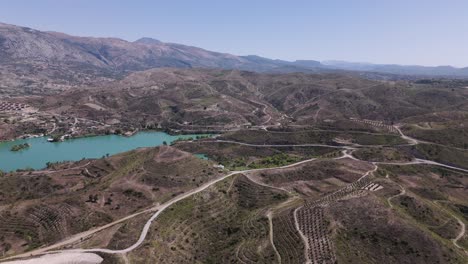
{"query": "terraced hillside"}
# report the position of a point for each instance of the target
(48, 206)
(316, 178)
(287, 239)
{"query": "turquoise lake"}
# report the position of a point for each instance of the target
(41, 151)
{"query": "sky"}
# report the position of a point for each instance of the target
(410, 32)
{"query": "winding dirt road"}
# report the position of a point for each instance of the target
(460, 222)
(402, 192)
(411, 141)
(461, 234)
(304, 238)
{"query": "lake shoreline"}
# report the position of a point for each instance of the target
(169, 131)
(74, 149)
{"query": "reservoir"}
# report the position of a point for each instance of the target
(40, 152)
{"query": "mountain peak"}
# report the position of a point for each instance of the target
(308, 63)
(149, 41)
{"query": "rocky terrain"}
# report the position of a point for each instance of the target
(41, 62)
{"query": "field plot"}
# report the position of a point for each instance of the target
(383, 154)
(10, 106)
(317, 178)
(287, 239)
(380, 125)
(314, 226)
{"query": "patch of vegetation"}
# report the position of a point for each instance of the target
(14, 188)
(133, 193)
(237, 156)
(463, 209)
(420, 211)
(20, 147)
(277, 160)
(382, 154)
(181, 139)
(443, 134)
(449, 156)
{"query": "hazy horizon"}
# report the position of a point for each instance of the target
(426, 33)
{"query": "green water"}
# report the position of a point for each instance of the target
(41, 151)
(201, 156)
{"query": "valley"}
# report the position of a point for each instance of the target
(122, 152)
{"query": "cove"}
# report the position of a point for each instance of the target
(41, 151)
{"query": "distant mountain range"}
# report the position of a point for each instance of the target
(31, 57)
(25, 45)
(398, 69)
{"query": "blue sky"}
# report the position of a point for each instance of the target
(424, 32)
